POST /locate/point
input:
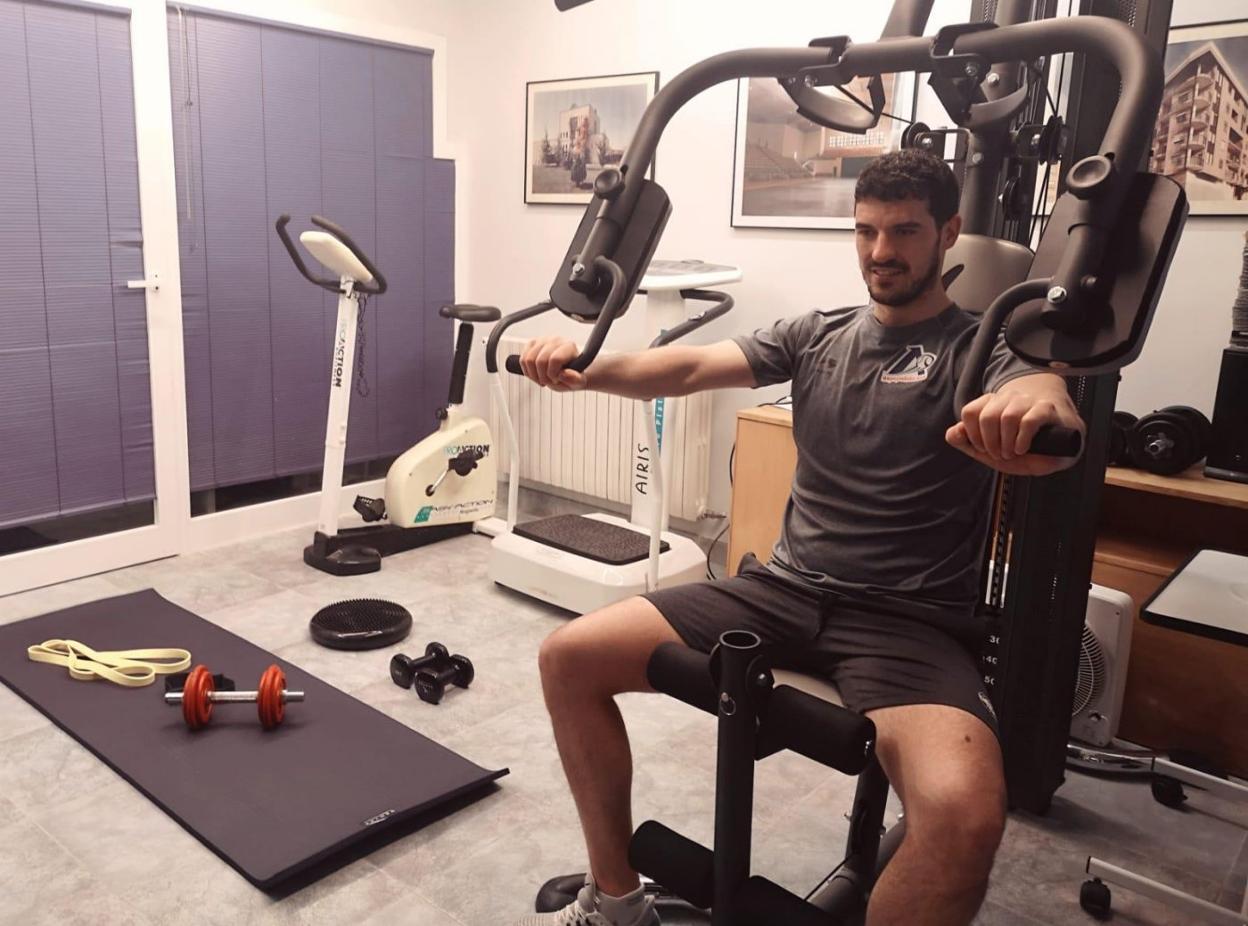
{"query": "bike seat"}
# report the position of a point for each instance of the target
(471, 313)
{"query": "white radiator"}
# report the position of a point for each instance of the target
(585, 443)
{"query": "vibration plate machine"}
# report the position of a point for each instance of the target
(435, 489)
(586, 562)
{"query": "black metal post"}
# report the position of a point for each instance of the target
(846, 889)
(459, 366)
(907, 17)
(1051, 528)
(734, 771)
(986, 147)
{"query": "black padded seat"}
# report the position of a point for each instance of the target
(820, 688)
(471, 313)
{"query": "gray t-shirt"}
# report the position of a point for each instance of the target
(882, 509)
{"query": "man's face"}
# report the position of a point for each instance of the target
(900, 249)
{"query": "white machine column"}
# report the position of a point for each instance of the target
(665, 308)
(341, 374)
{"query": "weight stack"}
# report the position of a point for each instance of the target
(1228, 439)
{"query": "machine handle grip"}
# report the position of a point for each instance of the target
(840, 115)
(496, 333)
(1055, 441)
(616, 297)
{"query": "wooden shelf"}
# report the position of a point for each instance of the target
(1143, 554)
(1191, 484)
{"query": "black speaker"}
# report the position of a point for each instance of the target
(1228, 442)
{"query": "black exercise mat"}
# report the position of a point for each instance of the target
(331, 780)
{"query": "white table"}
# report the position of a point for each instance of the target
(1206, 596)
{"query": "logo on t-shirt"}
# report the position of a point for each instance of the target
(910, 366)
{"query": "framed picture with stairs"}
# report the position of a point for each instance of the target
(792, 172)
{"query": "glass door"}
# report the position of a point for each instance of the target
(92, 419)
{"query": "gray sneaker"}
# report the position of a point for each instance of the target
(584, 912)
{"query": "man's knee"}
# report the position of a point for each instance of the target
(603, 652)
(963, 822)
(561, 653)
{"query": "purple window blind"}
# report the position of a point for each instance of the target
(269, 119)
(75, 417)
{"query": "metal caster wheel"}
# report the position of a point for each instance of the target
(1168, 791)
(1094, 897)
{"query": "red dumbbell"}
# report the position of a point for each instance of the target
(199, 695)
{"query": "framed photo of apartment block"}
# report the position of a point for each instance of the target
(575, 128)
(792, 173)
(1200, 138)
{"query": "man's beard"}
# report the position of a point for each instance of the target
(905, 296)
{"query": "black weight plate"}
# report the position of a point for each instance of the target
(1148, 444)
(1119, 431)
(1200, 424)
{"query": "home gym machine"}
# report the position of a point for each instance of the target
(1081, 308)
(435, 489)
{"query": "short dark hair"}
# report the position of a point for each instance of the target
(911, 174)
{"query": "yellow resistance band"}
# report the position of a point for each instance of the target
(130, 667)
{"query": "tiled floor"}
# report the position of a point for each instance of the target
(77, 844)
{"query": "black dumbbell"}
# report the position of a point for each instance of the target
(403, 669)
(1169, 440)
(1120, 427)
(432, 685)
(1197, 419)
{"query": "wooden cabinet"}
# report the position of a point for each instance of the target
(762, 471)
(1183, 691)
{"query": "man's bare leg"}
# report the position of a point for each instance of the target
(584, 665)
(946, 767)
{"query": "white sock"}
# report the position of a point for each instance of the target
(622, 910)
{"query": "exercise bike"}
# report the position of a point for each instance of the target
(435, 489)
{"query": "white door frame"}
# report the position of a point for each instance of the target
(174, 530)
(158, 217)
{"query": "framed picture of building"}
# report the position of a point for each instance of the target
(577, 127)
(791, 173)
(1200, 138)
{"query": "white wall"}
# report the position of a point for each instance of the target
(1181, 358)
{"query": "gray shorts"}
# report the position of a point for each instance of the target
(875, 659)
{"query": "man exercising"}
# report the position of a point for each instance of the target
(875, 577)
